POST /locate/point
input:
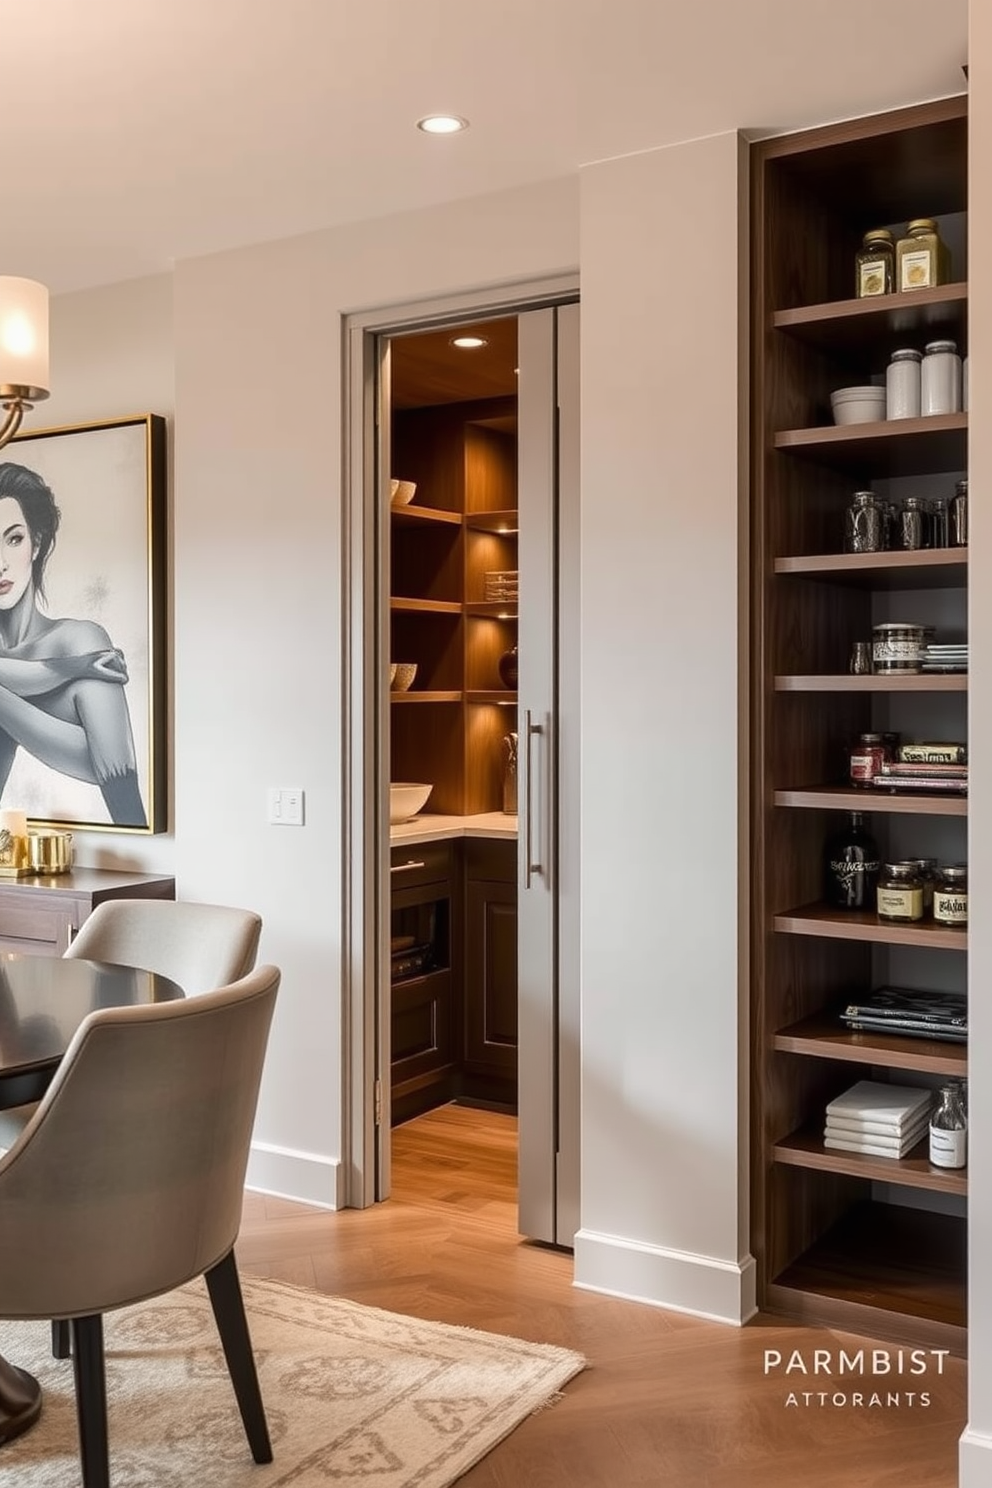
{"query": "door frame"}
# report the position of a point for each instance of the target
(365, 876)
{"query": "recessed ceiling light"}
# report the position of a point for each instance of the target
(442, 124)
(469, 343)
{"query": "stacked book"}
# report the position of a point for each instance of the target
(897, 1010)
(925, 767)
(952, 657)
(878, 1120)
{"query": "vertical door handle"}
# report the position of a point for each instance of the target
(530, 867)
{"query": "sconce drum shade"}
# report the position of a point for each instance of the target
(23, 339)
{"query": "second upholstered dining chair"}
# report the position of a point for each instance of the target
(128, 1179)
(197, 945)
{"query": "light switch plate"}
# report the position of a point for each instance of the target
(285, 806)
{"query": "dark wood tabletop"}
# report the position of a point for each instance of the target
(43, 1000)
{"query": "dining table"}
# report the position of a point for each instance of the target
(43, 1000)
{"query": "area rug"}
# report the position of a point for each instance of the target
(352, 1395)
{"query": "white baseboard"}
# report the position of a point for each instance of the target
(974, 1460)
(723, 1291)
(289, 1174)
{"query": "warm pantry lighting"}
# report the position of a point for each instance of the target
(442, 124)
(23, 350)
(469, 343)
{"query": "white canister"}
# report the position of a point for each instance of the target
(964, 385)
(940, 379)
(902, 384)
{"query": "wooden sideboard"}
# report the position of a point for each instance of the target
(40, 915)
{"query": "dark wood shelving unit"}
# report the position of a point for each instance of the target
(825, 1037)
(848, 798)
(829, 1250)
(849, 925)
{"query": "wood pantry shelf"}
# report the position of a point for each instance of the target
(886, 1271)
(824, 1037)
(505, 609)
(897, 682)
(843, 924)
(424, 607)
(929, 568)
(502, 523)
(493, 695)
(919, 446)
(805, 1149)
(843, 325)
(847, 798)
(414, 516)
(425, 697)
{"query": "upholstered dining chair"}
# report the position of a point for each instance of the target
(127, 1182)
(198, 946)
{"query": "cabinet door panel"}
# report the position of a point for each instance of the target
(491, 978)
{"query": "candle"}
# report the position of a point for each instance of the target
(16, 823)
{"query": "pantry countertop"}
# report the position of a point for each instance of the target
(433, 828)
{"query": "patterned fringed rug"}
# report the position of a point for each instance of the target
(352, 1394)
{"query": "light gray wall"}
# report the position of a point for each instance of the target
(662, 1129)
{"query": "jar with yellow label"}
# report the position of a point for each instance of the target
(950, 895)
(875, 264)
(922, 257)
(900, 893)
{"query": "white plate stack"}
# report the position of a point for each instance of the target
(877, 1119)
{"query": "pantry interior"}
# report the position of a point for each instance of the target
(452, 549)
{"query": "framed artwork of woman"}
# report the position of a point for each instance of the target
(82, 644)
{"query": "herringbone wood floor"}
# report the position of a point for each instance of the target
(667, 1401)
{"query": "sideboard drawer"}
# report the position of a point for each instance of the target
(36, 928)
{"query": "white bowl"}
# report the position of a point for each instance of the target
(401, 493)
(406, 798)
(858, 405)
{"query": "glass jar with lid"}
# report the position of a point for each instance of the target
(900, 893)
(950, 895)
(902, 384)
(922, 257)
(940, 379)
(928, 873)
(875, 264)
(868, 754)
(864, 524)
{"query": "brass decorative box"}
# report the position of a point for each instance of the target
(49, 852)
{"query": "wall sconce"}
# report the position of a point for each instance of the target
(23, 350)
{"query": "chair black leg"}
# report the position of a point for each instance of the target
(91, 1399)
(232, 1325)
(60, 1338)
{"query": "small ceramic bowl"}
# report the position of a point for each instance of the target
(401, 493)
(406, 798)
(405, 671)
(392, 673)
(858, 405)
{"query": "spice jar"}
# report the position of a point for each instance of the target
(864, 524)
(875, 264)
(940, 379)
(900, 893)
(950, 895)
(922, 257)
(866, 759)
(949, 1129)
(902, 384)
(940, 530)
(928, 873)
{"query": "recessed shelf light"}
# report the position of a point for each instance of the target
(469, 343)
(442, 124)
